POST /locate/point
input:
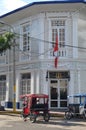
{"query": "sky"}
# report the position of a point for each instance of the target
(9, 5)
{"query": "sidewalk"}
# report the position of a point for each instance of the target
(57, 113)
(18, 112)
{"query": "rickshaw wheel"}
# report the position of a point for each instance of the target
(84, 115)
(22, 115)
(46, 117)
(33, 117)
(68, 115)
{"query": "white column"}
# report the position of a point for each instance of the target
(79, 81)
(32, 82)
(75, 35)
(37, 82)
(45, 83)
(41, 27)
(7, 80)
(71, 84)
(7, 88)
(17, 87)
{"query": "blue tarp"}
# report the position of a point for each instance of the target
(78, 95)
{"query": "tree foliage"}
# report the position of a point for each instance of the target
(6, 41)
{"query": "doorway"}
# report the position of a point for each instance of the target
(58, 93)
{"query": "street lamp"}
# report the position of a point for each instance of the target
(14, 77)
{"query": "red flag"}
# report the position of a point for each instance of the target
(56, 52)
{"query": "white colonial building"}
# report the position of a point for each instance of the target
(32, 66)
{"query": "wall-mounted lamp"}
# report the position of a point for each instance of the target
(47, 76)
(68, 76)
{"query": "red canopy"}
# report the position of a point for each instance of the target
(34, 95)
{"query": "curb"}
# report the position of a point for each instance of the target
(10, 113)
(18, 113)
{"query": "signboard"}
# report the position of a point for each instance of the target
(59, 75)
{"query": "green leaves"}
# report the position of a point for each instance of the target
(6, 41)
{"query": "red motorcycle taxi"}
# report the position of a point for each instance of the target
(35, 105)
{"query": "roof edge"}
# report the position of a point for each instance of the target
(42, 2)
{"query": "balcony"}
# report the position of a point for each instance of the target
(63, 53)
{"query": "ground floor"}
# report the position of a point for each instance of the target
(57, 83)
(56, 86)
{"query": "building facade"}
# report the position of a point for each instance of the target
(36, 26)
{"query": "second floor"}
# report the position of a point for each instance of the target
(36, 35)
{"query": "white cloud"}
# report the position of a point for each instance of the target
(9, 5)
(13, 4)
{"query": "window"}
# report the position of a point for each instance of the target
(25, 87)
(58, 28)
(2, 55)
(2, 87)
(26, 38)
(61, 37)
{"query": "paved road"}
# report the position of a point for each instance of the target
(15, 123)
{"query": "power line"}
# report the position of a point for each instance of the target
(37, 54)
(78, 10)
(58, 44)
(50, 42)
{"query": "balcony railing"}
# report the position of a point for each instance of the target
(63, 53)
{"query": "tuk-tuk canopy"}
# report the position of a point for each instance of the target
(34, 95)
(81, 98)
(78, 95)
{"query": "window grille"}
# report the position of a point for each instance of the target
(26, 37)
(2, 87)
(25, 87)
(58, 29)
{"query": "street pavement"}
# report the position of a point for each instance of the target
(56, 123)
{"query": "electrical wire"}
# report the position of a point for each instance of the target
(78, 10)
(51, 49)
